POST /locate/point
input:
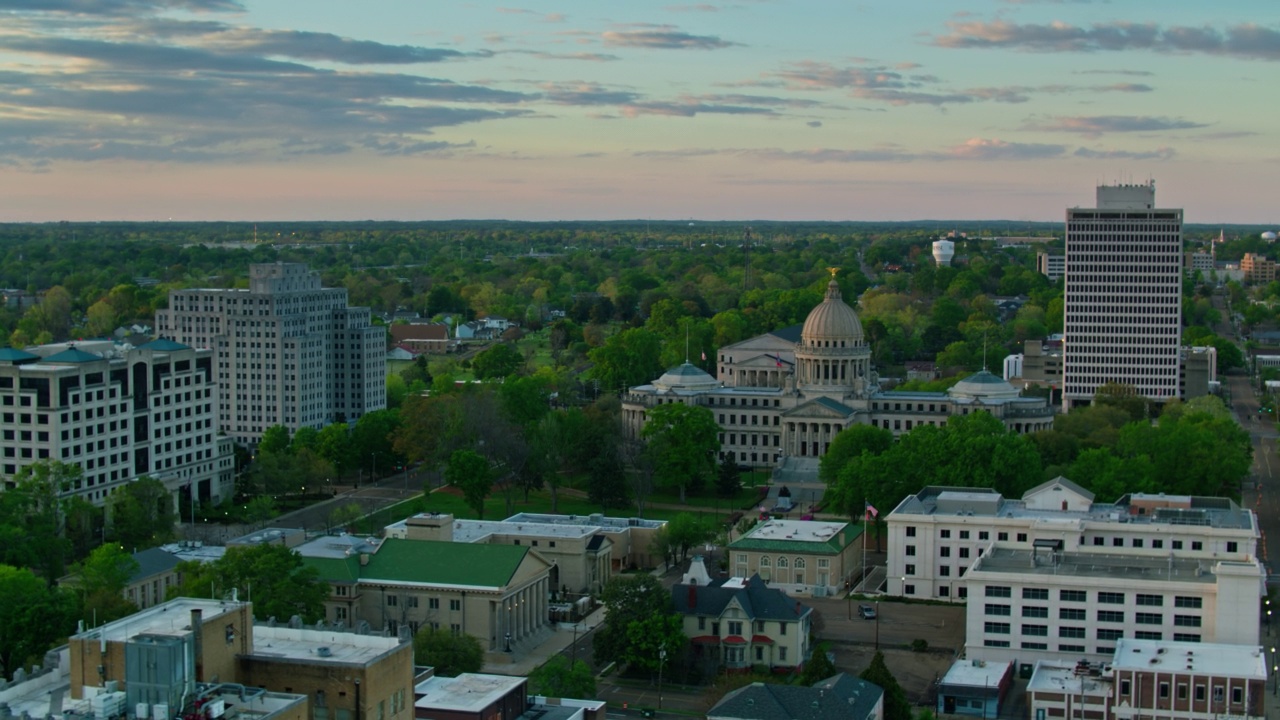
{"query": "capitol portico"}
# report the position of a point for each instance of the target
(787, 393)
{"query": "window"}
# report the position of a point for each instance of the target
(995, 643)
(993, 609)
(944, 552)
(1002, 536)
(1186, 637)
(1197, 545)
(735, 627)
(910, 570)
(392, 600)
(1150, 600)
(1114, 616)
(1073, 595)
(999, 591)
(1108, 634)
(1233, 546)
(1157, 544)
(1035, 646)
(1149, 618)
(1022, 537)
(1098, 541)
(782, 653)
(908, 589)
(1071, 632)
(1117, 542)
(433, 603)
(964, 552)
(1148, 635)
(1111, 598)
(984, 535)
(1071, 648)
(997, 628)
(1186, 620)
(1035, 593)
(911, 531)
(1125, 687)
(964, 534)
(1036, 630)
(411, 601)
(455, 605)
(1184, 601)
(1071, 613)
(1164, 689)
(1237, 695)
(910, 552)
(1200, 692)
(944, 570)
(1176, 544)
(945, 534)
(1137, 542)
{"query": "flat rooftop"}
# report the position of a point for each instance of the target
(980, 673)
(338, 546)
(473, 530)
(170, 618)
(344, 648)
(804, 530)
(469, 692)
(609, 524)
(1245, 661)
(1023, 562)
(1219, 513)
(1059, 677)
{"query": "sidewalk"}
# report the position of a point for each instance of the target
(560, 640)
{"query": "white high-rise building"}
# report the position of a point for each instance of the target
(287, 351)
(1123, 295)
(119, 413)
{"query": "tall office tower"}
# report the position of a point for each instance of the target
(288, 351)
(1123, 295)
(119, 413)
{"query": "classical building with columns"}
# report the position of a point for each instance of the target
(497, 593)
(783, 396)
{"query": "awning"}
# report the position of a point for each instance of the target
(705, 640)
(762, 639)
(735, 640)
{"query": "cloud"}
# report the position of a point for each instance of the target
(544, 17)
(690, 108)
(700, 7)
(584, 56)
(1163, 153)
(814, 123)
(1246, 41)
(973, 150)
(118, 7)
(1100, 124)
(1135, 73)
(585, 93)
(984, 149)
(663, 37)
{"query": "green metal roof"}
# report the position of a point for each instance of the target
(831, 546)
(73, 355)
(14, 355)
(428, 561)
(163, 344)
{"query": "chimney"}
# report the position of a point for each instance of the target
(364, 558)
(197, 623)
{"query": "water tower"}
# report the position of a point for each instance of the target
(943, 251)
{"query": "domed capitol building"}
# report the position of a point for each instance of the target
(781, 397)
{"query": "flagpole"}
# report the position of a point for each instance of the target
(865, 513)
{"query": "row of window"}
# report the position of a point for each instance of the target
(1109, 616)
(1111, 598)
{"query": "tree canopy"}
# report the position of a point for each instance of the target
(271, 576)
(449, 653)
(682, 443)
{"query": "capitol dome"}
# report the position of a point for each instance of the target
(833, 323)
(983, 385)
(685, 378)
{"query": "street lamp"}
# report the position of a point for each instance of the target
(662, 660)
(877, 626)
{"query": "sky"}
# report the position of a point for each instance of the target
(154, 110)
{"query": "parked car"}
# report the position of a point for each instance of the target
(867, 612)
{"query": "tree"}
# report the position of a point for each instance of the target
(32, 616)
(272, 576)
(37, 518)
(1122, 396)
(627, 598)
(628, 358)
(682, 441)
(655, 641)
(450, 654)
(141, 514)
(558, 678)
(850, 443)
(103, 577)
(372, 440)
(343, 515)
(728, 480)
(896, 705)
(334, 444)
(275, 441)
(686, 531)
(498, 361)
(470, 473)
(818, 668)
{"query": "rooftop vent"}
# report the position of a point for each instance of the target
(324, 651)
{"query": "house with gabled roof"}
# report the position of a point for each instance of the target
(740, 622)
(813, 557)
(839, 697)
(497, 593)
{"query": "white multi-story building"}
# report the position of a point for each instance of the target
(1123, 295)
(118, 414)
(1051, 266)
(1046, 604)
(288, 351)
(936, 535)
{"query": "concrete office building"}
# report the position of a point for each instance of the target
(118, 413)
(287, 351)
(1051, 266)
(936, 535)
(1123, 295)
